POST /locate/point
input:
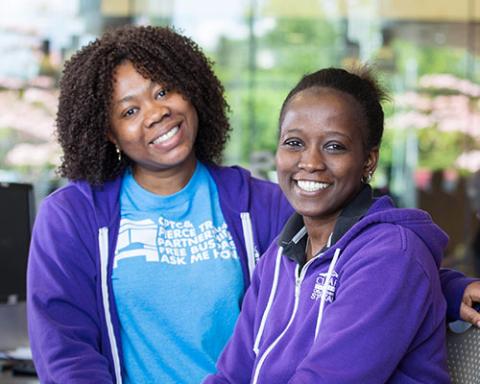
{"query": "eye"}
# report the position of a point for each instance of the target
(129, 112)
(161, 93)
(293, 143)
(334, 147)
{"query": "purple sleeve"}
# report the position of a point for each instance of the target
(453, 286)
(383, 298)
(63, 316)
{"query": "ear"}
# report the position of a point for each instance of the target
(371, 162)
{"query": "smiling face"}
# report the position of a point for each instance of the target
(155, 127)
(321, 155)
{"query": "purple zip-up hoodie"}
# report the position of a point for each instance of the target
(369, 309)
(73, 322)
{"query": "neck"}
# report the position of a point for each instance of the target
(165, 181)
(318, 234)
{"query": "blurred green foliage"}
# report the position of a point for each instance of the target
(294, 47)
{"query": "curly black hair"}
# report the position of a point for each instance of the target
(160, 54)
(361, 84)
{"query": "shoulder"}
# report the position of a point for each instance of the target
(239, 181)
(269, 189)
(64, 227)
(61, 215)
(78, 201)
(386, 237)
(236, 173)
(65, 199)
(392, 247)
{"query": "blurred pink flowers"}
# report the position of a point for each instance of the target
(446, 103)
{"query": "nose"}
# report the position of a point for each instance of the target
(311, 160)
(155, 112)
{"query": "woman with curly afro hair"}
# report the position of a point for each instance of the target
(138, 266)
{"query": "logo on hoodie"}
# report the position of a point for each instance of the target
(329, 286)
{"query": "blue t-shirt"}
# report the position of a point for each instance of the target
(177, 281)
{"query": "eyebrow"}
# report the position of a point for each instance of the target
(298, 130)
(339, 134)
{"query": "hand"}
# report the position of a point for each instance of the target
(470, 296)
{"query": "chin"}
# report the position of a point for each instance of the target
(183, 155)
(310, 214)
(309, 211)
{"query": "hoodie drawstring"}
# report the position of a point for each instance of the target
(294, 310)
(104, 253)
(252, 256)
(270, 301)
(325, 290)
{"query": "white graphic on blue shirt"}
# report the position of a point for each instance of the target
(321, 284)
(172, 242)
(177, 281)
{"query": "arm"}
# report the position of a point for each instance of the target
(459, 298)
(381, 306)
(62, 306)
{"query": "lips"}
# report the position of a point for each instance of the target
(311, 186)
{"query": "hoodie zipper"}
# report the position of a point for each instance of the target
(298, 285)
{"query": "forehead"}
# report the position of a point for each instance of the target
(325, 105)
(128, 81)
(126, 70)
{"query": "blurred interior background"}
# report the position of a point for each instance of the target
(426, 52)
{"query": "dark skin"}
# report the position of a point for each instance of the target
(321, 158)
(471, 296)
(156, 128)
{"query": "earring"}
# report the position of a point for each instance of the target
(366, 179)
(119, 153)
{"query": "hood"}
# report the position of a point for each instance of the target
(420, 222)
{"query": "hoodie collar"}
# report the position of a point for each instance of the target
(294, 241)
(233, 184)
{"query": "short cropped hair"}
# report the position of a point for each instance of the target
(160, 54)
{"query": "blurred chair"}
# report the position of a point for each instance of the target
(464, 355)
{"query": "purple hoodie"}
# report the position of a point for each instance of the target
(73, 323)
(369, 309)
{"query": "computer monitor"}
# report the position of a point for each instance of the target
(16, 219)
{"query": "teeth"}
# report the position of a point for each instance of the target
(311, 186)
(166, 136)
